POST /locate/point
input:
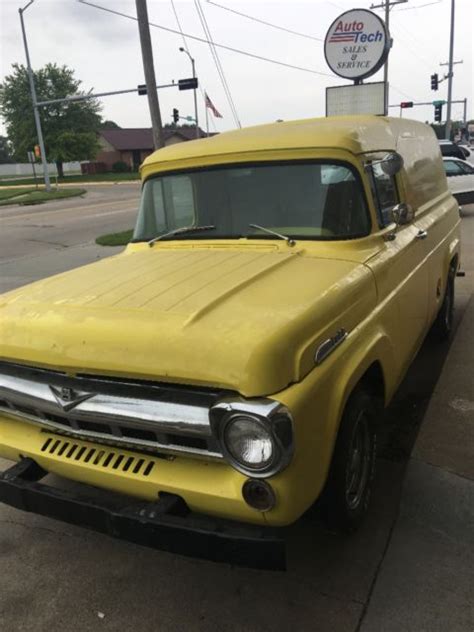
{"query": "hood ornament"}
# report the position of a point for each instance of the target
(68, 397)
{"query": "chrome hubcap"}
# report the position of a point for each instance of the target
(358, 466)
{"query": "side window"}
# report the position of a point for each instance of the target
(466, 167)
(385, 193)
(452, 168)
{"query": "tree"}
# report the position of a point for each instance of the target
(109, 125)
(69, 129)
(5, 151)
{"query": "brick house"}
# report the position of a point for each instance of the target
(133, 144)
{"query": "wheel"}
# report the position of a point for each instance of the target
(443, 325)
(348, 490)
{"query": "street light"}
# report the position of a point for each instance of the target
(183, 50)
(47, 182)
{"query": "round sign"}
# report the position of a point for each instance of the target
(356, 44)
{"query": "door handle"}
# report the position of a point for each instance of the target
(421, 234)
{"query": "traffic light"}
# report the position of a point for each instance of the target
(406, 104)
(175, 115)
(141, 89)
(438, 112)
(434, 81)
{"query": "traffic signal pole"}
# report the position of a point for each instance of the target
(440, 103)
(450, 74)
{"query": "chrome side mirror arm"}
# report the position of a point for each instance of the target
(401, 214)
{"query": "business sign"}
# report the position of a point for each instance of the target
(356, 44)
(365, 98)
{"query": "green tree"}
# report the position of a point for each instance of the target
(109, 125)
(69, 129)
(5, 151)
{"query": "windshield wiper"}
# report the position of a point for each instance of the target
(289, 241)
(177, 231)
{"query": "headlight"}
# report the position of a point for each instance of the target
(254, 435)
(249, 442)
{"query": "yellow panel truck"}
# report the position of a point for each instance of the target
(231, 366)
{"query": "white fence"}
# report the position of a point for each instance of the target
(24, 169)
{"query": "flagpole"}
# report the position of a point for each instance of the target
(207, 117)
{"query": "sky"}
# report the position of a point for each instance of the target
(104, 51)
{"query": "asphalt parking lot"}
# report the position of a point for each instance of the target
(58, 577)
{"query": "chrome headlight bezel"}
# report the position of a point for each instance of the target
(273, 416)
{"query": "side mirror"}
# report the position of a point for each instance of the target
(402, 214)
(392, 163)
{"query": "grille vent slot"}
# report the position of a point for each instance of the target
(107, 459)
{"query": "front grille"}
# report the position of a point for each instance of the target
(140, 416)
(103, 458)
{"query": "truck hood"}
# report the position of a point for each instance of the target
(246, 319)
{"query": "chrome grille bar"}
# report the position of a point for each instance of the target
(169, 420)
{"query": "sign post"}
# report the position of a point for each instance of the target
(31, 160)
(356, 46)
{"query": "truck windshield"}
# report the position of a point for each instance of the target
(299, 200)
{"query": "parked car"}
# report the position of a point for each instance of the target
(468, 153)
(449, 148)
(231, 366)
(460, 176)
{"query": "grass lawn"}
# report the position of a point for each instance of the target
(35, 196)
(7, 194)
(115, 239)
(99, 177)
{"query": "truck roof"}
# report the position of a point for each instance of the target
(357, 134)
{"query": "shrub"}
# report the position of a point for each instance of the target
(120, 167)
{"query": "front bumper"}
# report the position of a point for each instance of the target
(165, 524)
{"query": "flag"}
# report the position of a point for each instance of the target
(212, 107)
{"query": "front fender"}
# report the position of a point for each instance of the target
(317, 404)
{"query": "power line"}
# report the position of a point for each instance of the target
(217, 61)
(275, 26)
(413, 39)
(179, 26)
(420, 6)
(205, 41)
(189, 53)
(402, 93)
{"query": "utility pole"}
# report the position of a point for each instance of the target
(39, 131)
(148, 67)
(450, 74)
(387, 4)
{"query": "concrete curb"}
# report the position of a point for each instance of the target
(72, 184)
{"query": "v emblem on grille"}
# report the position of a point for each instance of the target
(69, 398)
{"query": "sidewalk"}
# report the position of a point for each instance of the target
(426, 580)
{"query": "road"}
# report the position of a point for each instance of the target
(58, 577)
(58, 235)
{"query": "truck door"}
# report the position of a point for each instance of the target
(401, 272)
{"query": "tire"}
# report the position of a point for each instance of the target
(443, 325)
(348, 490)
